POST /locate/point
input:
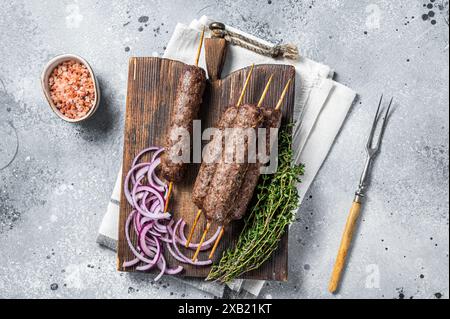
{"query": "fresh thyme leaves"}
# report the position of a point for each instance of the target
(273, 210)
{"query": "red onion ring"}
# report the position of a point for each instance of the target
(130, 263)
(148, 250)
(155, 149)
(143, 210)
(206, 244)
(127, 181)
(140, 173)
(154, 181)
(161, 264)
(156, 155)
(161, 228)
(147, 194)
(183, 257)
(165, 239)
(174, 271)
(130, 245)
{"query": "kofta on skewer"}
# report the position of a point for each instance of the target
(213, 151)
(272, 120)
(228, 177)
(185, 109)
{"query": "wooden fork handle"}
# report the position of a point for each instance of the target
(345, 245)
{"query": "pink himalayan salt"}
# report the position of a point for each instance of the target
(72, 89)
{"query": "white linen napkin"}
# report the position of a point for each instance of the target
(321, 106)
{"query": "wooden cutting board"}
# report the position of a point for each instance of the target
(152, 86)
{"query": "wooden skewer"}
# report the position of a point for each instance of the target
(199, 212)
(202, 240)
(166, 206)
(283, 94)
(266, 89)
(199, 50)
(247, 80)
(191, 233)
(216, 243)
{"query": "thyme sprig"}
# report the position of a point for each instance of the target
(273, 210)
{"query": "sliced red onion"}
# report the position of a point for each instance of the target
(150, 241)
(137, 223)
(145, 267)
(154, 234)
(130, 263)
(149, 203)
(156, 196)
(155, 178)
(140, 173)
(147, 194)
(161, 228)
(149, 250)
(155, 149)
(143, 210)
(154, 181)
(144, 220)
(158, 181)
(165, 239)
(141, 195)
(156, 207)
(174, 271)
(177, 250)
(206, 244)
(126, 183)
(144, 200)
(174, 254)
(181, 238)
(130, 245)
(156, 155)
(162, 266)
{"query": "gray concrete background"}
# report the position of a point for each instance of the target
(54, 193)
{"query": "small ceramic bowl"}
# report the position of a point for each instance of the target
(45, 87)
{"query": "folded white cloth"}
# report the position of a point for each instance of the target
(321, 106)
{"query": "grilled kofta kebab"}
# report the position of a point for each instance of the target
(213, 150)
(228, 176)
(185, 109)
(238, 207)
(272, 120)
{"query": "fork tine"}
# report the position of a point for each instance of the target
(383, 125)
(374, 125)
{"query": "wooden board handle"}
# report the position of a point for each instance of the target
(344, 247)
(215, 53)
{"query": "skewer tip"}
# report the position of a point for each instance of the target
(191, 232)
(332, 288)
(247, 80)
(283, 94)
(202, 240)
(169, 192)
(216, 243)
(199, 49)
(266, 89)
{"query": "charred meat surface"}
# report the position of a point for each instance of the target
(212, 153)
(187, 104)
(225, 185)
(272, 119)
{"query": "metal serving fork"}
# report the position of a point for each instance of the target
(372, 150)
